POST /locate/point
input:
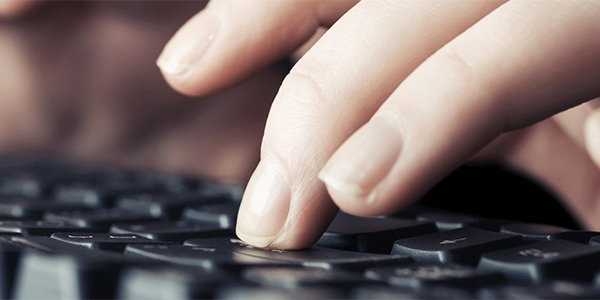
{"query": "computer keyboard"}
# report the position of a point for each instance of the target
(79, 231)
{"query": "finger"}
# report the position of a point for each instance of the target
(520, 64)
(14, 8)
(229, 40)
(336, 86)
(592, 135)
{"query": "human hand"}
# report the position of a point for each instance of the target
(78, 79)
(397, 94)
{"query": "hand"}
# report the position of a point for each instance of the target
(397, 94)
(79, 79)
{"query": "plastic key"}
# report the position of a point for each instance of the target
(462, 246)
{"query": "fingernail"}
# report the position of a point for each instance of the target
(265, 205)
(365, 158)
(189, 44)
(592, 135)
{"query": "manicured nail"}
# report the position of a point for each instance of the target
(265, 205)
(365, 158)
(189, 44)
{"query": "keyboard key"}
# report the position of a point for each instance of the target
(551, 290)
(449, 220)
(383, 292)
(164, 206)
(261, 293)
(51, 276)
(292, 278)
(100, 240)
(222, 215)
(100, 219)
(177, 231)
(171, 283)
(543, 261)
(532, 233)
(23, 208)
(576, 236)
(371, 235)
(461, 246)
(44, 228)
(206, 258)
(420, 276)
(96, 196)
(318, 257)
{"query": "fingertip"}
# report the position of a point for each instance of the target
(592, 135)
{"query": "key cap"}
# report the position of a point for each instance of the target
(95, 196)
(292, 278)
(206, 258)
(261, 293)
(171, 283)
(319, 257)
(52, 276)
(448, 220)
(100, 219)
(576, 236)
(22, 185)
(421, 275)
(23, 208)
(371, 235)
(100, 240)
(171, 183)
(532, 233)
(164, 206)
(594, 241)
(379, 292)
(177, 231)
(44, 228)
(551, 290)
(546, 260)
(461, 246)
(223, 215)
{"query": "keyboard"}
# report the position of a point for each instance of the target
(82, 231)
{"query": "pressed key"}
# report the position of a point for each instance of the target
(100, 240)
(223, 215)
(532, 233)
(294, 277)
(177, 231)
(546, 260)
(319, 257)
(206, 258)
(462, 246)
(420, 275)
(30, 227)
(371, 235)
(164, 205)
(100, 219)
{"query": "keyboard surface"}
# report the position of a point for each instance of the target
(77, 231)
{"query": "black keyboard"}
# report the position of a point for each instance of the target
(76, 231)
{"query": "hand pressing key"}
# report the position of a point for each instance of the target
(397, 94)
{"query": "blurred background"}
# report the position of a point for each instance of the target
(78, 80)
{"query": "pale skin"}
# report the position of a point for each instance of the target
(397, 94)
